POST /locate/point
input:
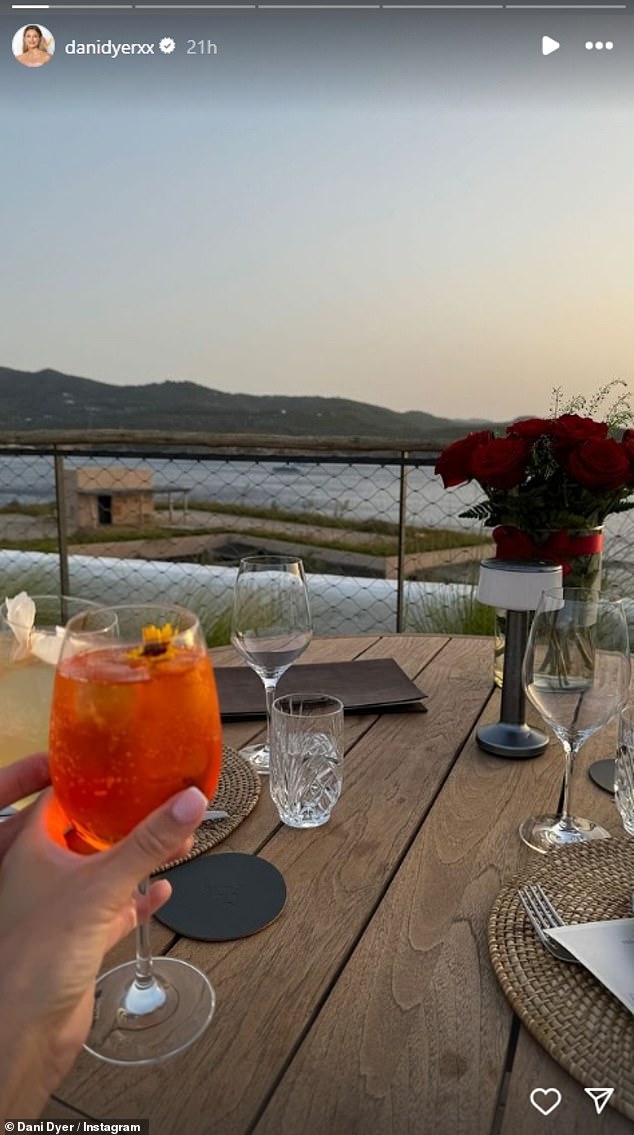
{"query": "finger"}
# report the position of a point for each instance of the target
(23, 777)
(153, 842)
(56, 822)
(158, 894)
(183, 850)
(9, 829)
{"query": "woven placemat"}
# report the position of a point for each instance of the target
(238, 793)
(579, 1023)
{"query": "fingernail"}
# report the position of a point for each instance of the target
(189, 806)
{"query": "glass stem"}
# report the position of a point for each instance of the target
(270, 685)
(143, 976)
(145, 995)
(570, 753)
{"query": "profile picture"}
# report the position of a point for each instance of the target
(33, 45)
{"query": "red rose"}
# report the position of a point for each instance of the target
(454, 463)
(628, 446)
(530, 428)
(571, 430)
(500, 463)
(601, 465)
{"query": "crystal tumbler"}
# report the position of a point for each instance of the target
(306, 768)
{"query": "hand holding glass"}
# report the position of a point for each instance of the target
(270, 627)
(576, 673)
(134, 720)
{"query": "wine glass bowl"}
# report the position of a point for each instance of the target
(624, 769)
(135, 720)
(270, 627)
(31, 635)
(576, 673)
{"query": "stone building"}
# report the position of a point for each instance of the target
(98, 496)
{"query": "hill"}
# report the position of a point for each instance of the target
(51, 400)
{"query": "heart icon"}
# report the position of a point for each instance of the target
(545, 1099)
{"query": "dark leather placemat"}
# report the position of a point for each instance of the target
(369, 684)
(223, 897)
(603, 773)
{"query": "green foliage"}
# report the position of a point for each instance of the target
(458, 613)
(217, 630)
(551, 505)
(618, 414)
(37, 510)
(478, 512)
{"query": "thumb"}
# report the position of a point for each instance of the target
(153, 842)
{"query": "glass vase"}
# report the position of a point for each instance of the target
(579, 551)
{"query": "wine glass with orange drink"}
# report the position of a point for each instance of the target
(134, 720)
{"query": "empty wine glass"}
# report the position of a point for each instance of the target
(270, 627)
(624, 773)
(576, 673)
(624, 768)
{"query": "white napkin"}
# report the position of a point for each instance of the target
(45, 645)
(607, 950)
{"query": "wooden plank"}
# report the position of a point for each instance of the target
(270, 986)
(417, 1026)
(335, 647)
(412, 652)
(57, 1110)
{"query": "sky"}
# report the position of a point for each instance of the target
(421, 252)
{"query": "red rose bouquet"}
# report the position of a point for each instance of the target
(545, 478)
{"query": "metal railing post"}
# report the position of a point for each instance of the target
(402, 523)
(62, 541)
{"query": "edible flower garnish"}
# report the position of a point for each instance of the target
(157, 643)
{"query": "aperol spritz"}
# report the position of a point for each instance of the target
(134, 720)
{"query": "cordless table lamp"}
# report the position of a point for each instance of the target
(515, 586)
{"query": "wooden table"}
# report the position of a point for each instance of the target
(370, 1005)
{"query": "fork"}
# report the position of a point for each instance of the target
(543, 916)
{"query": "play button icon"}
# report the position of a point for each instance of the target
(549, 45)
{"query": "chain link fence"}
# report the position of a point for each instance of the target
(383, 543)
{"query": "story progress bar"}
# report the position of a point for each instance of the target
(328, 7)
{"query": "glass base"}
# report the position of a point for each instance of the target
(137, 1026)
(258, 756)
(292, 820)
(543, 833)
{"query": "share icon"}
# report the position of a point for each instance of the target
(599, 1097)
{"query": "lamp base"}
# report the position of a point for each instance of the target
(516, 741)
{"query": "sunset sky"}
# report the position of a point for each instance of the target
(455, 256)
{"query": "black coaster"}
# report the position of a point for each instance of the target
(602, 773)
(222, 897)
